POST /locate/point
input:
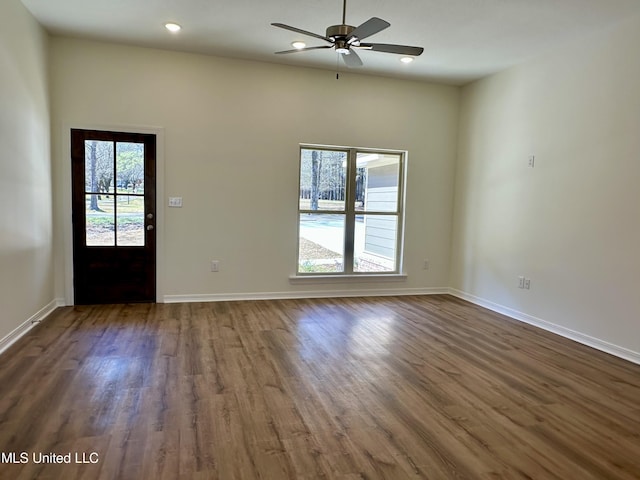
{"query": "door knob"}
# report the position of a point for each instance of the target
(149, 216)
(149, 227)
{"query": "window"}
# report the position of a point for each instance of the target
(114, 193)
(349, 211)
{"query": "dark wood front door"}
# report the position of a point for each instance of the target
(114, 209)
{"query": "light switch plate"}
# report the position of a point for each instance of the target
(175, 202)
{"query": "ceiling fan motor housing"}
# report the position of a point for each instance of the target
(339, 32)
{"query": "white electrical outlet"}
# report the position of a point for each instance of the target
(425, 265)
(215, 265)
(520, 282)
(527, 283)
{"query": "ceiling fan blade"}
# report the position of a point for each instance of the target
(303, 32)
(389, 48)
(304, 49)
(368, 28)
(352, 59)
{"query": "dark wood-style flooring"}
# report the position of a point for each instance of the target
(424, 387)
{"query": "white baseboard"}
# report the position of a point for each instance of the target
(225, 297)
(579, 337)
(28, 324)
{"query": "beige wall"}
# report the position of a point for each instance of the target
(572, 223)
(26, 277)
(232, 130)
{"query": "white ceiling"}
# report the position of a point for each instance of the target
(463, 39)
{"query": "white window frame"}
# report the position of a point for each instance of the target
(350, 214)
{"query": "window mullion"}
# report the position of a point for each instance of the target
(350, 205)
(115, 194)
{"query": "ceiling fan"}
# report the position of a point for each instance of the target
(345, 39)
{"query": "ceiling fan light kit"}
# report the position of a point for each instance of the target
(345, 39)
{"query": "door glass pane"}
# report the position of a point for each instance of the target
(321, 243)
(376, 237)
(130, 167)
(323, 175)
(99, 215)
(377, 182)
(98, 177)
(130, 218)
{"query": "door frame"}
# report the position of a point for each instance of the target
(66, 207)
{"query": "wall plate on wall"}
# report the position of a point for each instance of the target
(175, 202)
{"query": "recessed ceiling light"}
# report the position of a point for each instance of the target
(406, 59)
(172, 27)
(298, 45)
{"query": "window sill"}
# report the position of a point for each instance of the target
(391, 277)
